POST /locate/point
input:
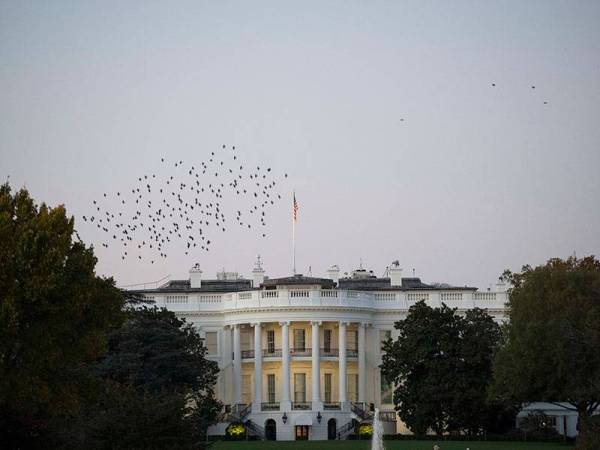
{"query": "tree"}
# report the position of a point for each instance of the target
(158, 386)
(551, 349)
(54, 316)
(441, 367)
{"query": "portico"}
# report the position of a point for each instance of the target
(305, 377)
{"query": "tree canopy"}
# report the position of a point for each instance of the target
(552, 348)
(54, 313)
(79, 369)
(441, 366)
(158, 387)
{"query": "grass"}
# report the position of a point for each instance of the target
(389, 445)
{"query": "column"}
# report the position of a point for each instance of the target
(362, 363)
(256, 405)
(285, 360)
(316, 368)
(342, 364)
(237, 365)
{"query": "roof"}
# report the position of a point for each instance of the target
(373, 283)
(297, 280)
(240, 284)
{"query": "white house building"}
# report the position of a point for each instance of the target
(299, 356)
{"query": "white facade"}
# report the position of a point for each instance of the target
(264, 338)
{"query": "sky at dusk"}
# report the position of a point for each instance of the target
(384, 115)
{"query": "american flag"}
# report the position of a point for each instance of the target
(295, 209)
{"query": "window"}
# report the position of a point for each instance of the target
(271, 341)
(384, 335)
(327, 382)
(299, 341)
(247, 389)
(327, 340)
(246, 340)
(352, 340)
(299, 387)
(386, 390)
(271, 387)
(210, 342)
(352, 387)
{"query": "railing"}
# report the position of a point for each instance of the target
(352, 353)
(417, 296)
(255, 429)
(330, 352)
(271, 353)
(239, 412)
(361, 410)
(484, 296)
(384, 295)
(284, 298)
(450, 296)
(247, 354)
(329, 293)
(332, 405)
(301, 352)
(387, 416)
(299, 294)
(301, 405)
(346, 430)
(269, 406)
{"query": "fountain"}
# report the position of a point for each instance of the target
(377, 442)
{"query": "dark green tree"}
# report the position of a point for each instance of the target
(551, 349)
(54, 316)
(441, 367)
(158, 386)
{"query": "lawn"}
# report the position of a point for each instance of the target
(389, 445)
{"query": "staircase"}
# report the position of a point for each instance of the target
(362, 411)
(239, 412)
(347, 429)
(255, 429)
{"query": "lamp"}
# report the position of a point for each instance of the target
(284, 417)
(319, 417)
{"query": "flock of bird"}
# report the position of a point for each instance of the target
(186, 203)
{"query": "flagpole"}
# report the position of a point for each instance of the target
(294, 235)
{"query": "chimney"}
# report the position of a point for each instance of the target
(334, 273)
(501, 285)
(195, 276)
(258, 273)
(395, 272)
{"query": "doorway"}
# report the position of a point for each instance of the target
(270, 430)
(302, 432)
(331, 429)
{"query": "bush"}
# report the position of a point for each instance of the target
(236, 431)
(538, 426)
(364, 430)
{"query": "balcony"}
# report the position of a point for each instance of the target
(352, 353)
(329, 353)
(271, 353)
(247, 354)
(302, 405)
(332, 406)
(269, 406)
(301, 352)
